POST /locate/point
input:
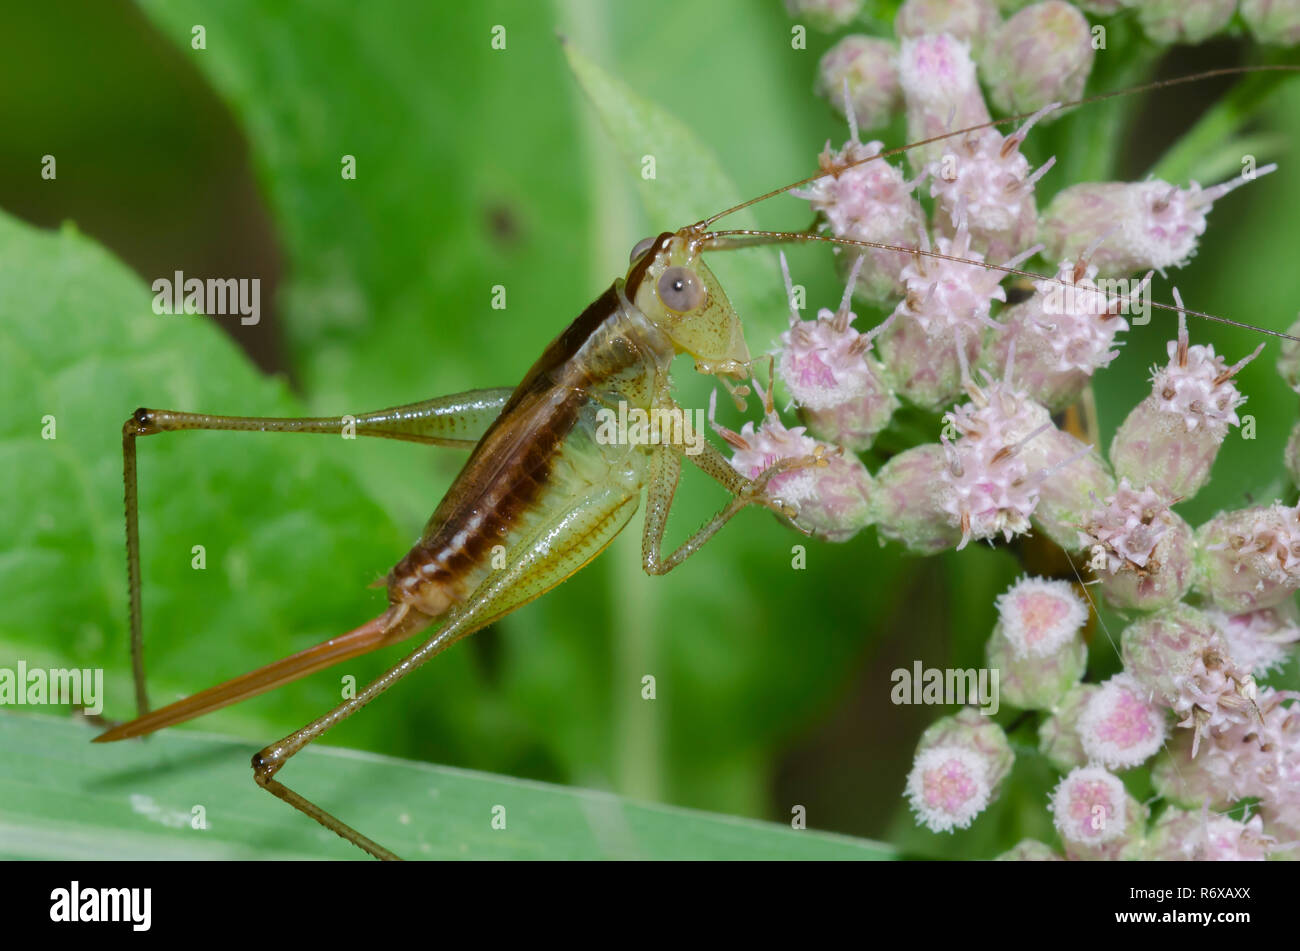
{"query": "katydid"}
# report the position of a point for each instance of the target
(540, 494)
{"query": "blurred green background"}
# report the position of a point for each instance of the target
(479, 167)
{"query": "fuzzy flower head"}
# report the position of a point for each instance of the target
(1272, 21)
(1062, 334)
(994, 486)
(1214, 694)
(851, 197)
(1136, 226)
(1089, 806)
(1196, 385)
(1170, 440)
(1203, 836)
(1039, 617)
(1077, 320)
(984, 176)
(910, 498)
(968, 20)
(830, 496)
(842, 393)
(1259, 641)
(823, 362)
(1184, 21)
(1250, 558)
(948, 787)
(950, 300)
(867, 68)
(1128, 526)
(867, 199)
(1119, 727)
(1258, 757)
(1042, 53)
(940, 91)
(960, 764)
(1141, 550)
(1179, 659)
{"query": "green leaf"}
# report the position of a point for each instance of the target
(62, 797)
(81, 349)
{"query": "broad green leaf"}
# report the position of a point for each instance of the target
(191, 796)
(286, 536)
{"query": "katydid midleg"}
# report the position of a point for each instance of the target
(541, 493)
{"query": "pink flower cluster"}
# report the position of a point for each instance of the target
(1208, 609)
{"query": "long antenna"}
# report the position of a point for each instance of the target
(729, 240)
(1132, 90)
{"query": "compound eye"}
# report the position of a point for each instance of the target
(680, 290)
(641, 248)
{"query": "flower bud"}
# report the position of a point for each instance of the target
(831, 501)
(1040, 618)
(1258, 757)
(1258, 641)
(970, 21)
(1273, 21)
(983, 177)
(1029, 850)
(994, 468)
(935, 330)
(868, 202)
(826, 15)
(1283, 820)
(1036, 683)
(1120, 727)
(1062, 335)
(940, 92)
(1139, 548)
(1249, 558)
(1184, 21)
(1043, 54)
(841, 391)
(1095, 816)
(1180, 660)
(1058, 734)
(1170, 439)
(1288, 360)
(1077, 475)
(1133, 226)
(909, 501)
(1183, 836)
(961, 762)
(1194, 781)
(1126, 847)
(870, 68)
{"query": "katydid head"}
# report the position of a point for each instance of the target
(670, 283)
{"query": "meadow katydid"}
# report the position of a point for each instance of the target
(541, 493)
